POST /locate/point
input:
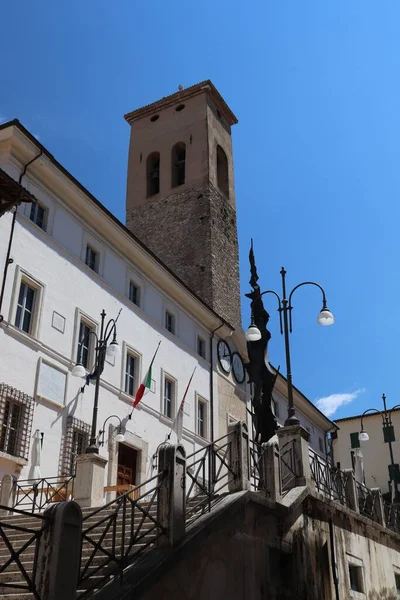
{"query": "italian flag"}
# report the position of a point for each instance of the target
(146, 383)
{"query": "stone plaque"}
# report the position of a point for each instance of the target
(51, 384)
(58, 322)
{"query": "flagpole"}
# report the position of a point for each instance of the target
(151, 364)
(180, 409)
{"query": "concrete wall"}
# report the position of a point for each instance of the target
(250, 549)
(356, 541)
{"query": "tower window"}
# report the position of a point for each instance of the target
(154, 118)
(222, 171)
(178, 164)
(153, 174)
(180, 107)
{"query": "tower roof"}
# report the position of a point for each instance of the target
(182, 95)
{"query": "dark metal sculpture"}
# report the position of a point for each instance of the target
(260, 375)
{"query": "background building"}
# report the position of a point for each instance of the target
(375, 452)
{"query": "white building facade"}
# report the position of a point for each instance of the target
(71, 260)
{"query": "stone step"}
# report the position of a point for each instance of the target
(13, 594)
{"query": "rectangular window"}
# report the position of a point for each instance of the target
(321, 444)
(25, 307)
(356, 578)
(76, 441)
(201, 418)
(169, 393)
(201, 347)
(354, 440)
(10, 427)
(92, 258)
(38, 215)
(16, 414)
(84, 344)
(134, 293)
(397, 578)
(130, 374)
(169, 322)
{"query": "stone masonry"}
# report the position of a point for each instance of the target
(190, 229)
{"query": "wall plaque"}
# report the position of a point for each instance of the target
(58, 322)
(52, 384)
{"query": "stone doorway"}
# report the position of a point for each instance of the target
(128, 460)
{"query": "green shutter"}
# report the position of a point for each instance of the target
(394, 472)
(355, 442)
(388, 434)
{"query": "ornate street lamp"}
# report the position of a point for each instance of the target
(253, 334)
(103, 349)
(120, 434)
(388, 438)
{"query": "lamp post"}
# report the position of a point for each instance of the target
(120, 434)
(388, 438)
(102, 349)
(253, 334)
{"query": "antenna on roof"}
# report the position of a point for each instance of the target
(180, 88)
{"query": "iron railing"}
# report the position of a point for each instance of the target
(209, 471)
(22, 543)
(328, 480)
(288, 466)
(392, 516)
(367, 501)
(36, 495)
(116, 534)
(256, 474)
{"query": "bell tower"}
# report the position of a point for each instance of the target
(180, 192)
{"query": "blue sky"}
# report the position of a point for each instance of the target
(316, 88)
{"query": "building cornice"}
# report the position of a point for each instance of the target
(182, 96)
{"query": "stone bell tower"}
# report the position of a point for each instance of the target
(180, 193)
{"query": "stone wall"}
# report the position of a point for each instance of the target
(194, 234)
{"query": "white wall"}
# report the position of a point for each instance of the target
(54, 260)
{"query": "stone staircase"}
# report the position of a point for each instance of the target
(23, 528)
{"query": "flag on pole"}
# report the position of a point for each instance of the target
(146, 383)
(178, 423)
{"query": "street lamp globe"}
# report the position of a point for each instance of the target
(120, 437)
(253, 334)
(79, 370)
(363, 436)
(325, 317)
(113, 349)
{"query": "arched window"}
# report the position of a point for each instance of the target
(178, 164)
(222, 171)
(153, 173)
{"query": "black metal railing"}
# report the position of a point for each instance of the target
(36, 495)
(367, 502)
(209, 471)
(116, 534)
(256, 474)
(392, 516)
(288, 466)
(19, 545)
(328, 480)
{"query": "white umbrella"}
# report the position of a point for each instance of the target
(34, 472)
